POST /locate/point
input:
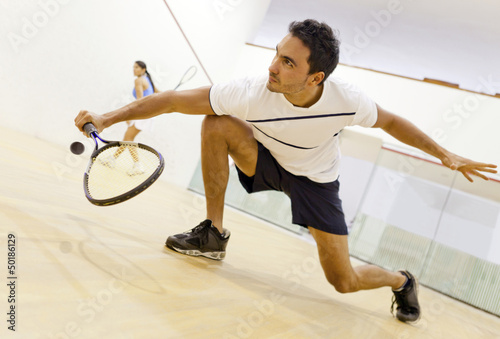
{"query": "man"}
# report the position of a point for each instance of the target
(282, 133)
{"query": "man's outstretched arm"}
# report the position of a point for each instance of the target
(194, 101)
(406, 132)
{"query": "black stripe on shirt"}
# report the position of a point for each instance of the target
(284, 143)
(306, 117)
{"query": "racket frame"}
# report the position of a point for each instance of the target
(183, 80)
(131, 193)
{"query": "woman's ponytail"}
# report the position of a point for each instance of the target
(142, 65)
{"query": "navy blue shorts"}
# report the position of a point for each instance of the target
(313, 204)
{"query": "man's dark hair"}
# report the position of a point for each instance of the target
(322, 43)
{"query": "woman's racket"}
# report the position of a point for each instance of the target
(188, 75)
(119, 170)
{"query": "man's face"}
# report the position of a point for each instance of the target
(289, 70)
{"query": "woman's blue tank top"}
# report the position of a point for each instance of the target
(147, 91)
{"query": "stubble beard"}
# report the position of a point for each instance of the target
(285, 89)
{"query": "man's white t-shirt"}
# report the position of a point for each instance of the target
(304, 141)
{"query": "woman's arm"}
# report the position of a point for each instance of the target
(139, 88)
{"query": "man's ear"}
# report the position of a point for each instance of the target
(317, 78)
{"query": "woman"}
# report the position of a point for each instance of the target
(143, 86)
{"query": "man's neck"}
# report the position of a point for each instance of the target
(305, 98)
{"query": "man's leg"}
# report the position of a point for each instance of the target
(222, 136)
(334, 257)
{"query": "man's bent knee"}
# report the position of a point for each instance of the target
(236, 136)
(224, 125)
(342, 285)
(212, 124)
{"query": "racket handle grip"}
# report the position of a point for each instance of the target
(89, 128)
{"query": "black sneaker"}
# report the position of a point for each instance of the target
(408, 309)
(204, 240)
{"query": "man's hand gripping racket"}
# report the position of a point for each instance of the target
(119, 170)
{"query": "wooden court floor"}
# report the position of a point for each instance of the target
(103, 272)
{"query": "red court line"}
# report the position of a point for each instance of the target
(187, 40)
(423, 159)
(412, 156)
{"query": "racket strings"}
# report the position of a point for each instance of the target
(120, 169)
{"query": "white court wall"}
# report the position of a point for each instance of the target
(58, 57)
